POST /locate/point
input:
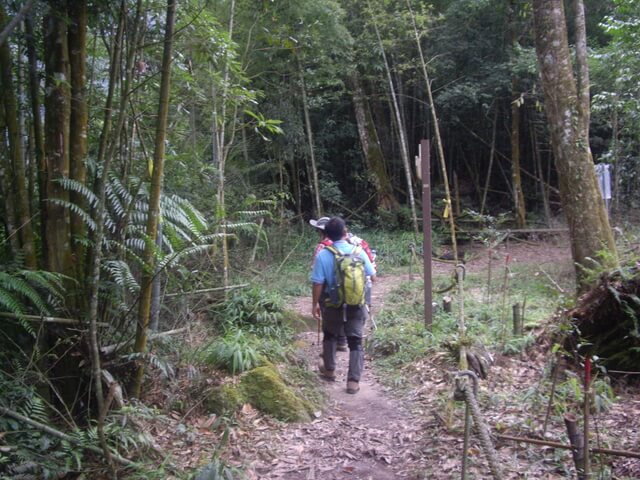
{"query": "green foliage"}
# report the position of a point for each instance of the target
(254, 310)
(29, 291)
(235, 352)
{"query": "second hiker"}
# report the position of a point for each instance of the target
(340, 311)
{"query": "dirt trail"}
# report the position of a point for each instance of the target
(368, 436)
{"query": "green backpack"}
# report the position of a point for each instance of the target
(350, 279)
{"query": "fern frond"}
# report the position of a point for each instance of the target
(75, 186)
(128, 251)
(51, 282)
(121, 274)
(172, 259)
(213, 236)
(253, 213)
(115, 205)
(76, 210)
(10, 303)
(239, 225)
(21, 287)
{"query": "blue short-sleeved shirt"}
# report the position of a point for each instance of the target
(324, 266)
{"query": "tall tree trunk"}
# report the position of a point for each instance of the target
(56, 141)
(315, 184)
(566, 108)
(38, 137)
(154, 197)
(439, 147)
(492, 154)
(373, 155)
(401, 131)
(221, 153)
(16, 153)
(77, 38)
(516, 177)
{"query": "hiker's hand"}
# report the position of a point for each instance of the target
(315, 311)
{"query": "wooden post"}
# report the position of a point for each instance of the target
(446, 304)
(585, 418)
(517, 320)
(577, 442)
(425, 172)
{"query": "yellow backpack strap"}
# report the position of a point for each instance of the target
(333, 250)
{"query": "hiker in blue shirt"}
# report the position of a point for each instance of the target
(352, 317)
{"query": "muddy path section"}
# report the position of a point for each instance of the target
(369, 435)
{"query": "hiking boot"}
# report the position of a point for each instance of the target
(352, 387)
(329, 375)
(342, 347)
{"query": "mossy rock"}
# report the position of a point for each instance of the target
(223, 399)
(264, 388)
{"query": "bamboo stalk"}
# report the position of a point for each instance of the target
(206, 290)
(43, 319)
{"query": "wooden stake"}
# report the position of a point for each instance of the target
(517, 320)
(577, 443)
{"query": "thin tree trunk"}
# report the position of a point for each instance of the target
(11, 25)
(114, 73)
(544, 191)
(16, 154)
(154, 197)
(492, 154)
(371, 149)
(77, 38)
(516, 177)
(57, 110)
(565, 106)
(312, 157)
(401, 131)
(436, 130)
(38, 138)
(221, 154)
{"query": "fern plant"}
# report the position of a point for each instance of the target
(28, 291)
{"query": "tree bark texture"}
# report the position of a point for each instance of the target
(312, 157)
(56, 139)
(38, 137)
(154, 198)
(516, 177)
(78, 123)
(16, 154)
(587, 219)
(401, 132)
(371, 148)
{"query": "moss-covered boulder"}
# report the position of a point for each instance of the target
(264, 388)
(223, 399)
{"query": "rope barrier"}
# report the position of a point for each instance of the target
(469, 394)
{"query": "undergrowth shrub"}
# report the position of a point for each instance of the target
(253, 310)
(235, 352)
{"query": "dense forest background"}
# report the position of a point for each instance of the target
(152, 147)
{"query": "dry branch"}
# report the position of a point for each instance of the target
(109, 349)
(206, 290)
